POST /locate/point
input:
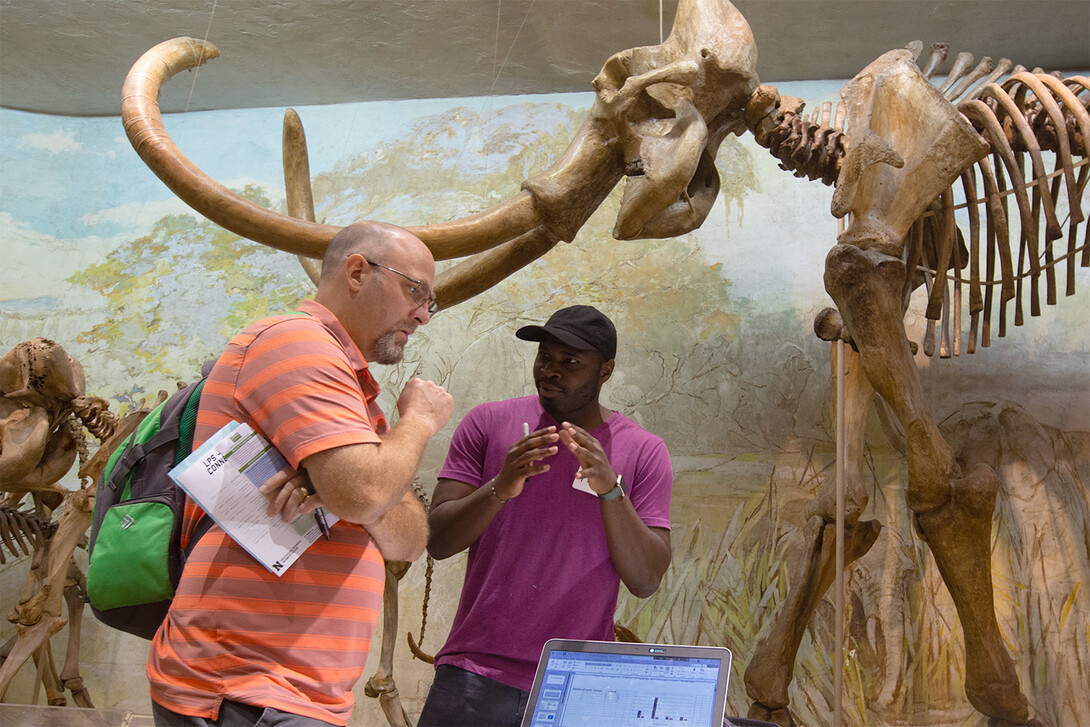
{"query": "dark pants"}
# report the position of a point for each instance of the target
(460, 698)
(234, 714)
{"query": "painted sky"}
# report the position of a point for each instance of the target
(78, 177)
(74, 188)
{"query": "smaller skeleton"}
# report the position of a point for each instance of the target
(43, 411)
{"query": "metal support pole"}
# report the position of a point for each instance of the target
(838, 652)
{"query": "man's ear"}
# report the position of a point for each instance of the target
(356, 270)
(606, 371)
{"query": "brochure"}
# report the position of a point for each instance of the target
(223, 476)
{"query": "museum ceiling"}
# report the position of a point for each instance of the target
(70, 57)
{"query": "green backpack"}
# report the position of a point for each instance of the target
(136, 557)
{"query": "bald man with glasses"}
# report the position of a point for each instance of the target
(241, 646)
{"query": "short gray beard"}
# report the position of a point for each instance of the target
(387, 350)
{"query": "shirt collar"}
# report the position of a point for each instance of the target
(330, 321)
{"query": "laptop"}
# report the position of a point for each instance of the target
(620, 684)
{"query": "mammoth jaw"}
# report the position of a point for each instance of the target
(670, 105)
(686, 213)
(657, 202)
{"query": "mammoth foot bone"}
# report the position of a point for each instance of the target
(959, 536)
(769, 672)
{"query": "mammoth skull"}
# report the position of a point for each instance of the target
(659, 115)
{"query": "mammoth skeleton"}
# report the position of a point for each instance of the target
(894, 148)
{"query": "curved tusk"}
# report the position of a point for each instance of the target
(300, 197)
(144, 127)
(483, 270)
(482, 231)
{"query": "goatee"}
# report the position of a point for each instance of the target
(387, 350)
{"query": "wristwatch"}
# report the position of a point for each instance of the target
(617, 491)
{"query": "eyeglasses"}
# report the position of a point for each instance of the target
(419, 290)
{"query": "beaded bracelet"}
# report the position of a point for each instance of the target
(497, 495)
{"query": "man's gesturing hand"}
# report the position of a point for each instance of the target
(522, 462)
(593, 463)
(427, 401)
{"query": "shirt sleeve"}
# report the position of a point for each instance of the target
(468, 446)
(653, 485)
(301, 392)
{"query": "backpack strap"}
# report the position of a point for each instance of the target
(203, 526)
(188, 423)
(137, 451)
(134, 454)
(186, 428)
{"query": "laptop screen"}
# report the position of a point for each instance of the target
(616, 684)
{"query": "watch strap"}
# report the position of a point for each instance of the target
(617, 491)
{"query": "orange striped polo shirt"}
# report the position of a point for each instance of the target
(297, 642)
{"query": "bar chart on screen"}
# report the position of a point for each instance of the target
(602, 701)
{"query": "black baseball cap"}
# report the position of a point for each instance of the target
(582, 326)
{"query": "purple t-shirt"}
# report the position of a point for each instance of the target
(542, 568)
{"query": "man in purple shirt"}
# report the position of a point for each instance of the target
(559, 500)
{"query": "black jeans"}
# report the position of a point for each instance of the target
(234, 714)
(460, 698)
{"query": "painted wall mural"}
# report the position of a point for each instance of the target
(716, 355)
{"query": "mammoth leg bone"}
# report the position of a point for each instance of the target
(770, 670)
(914, 145)
(381, 684)
(74, 590)
(953, 510)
